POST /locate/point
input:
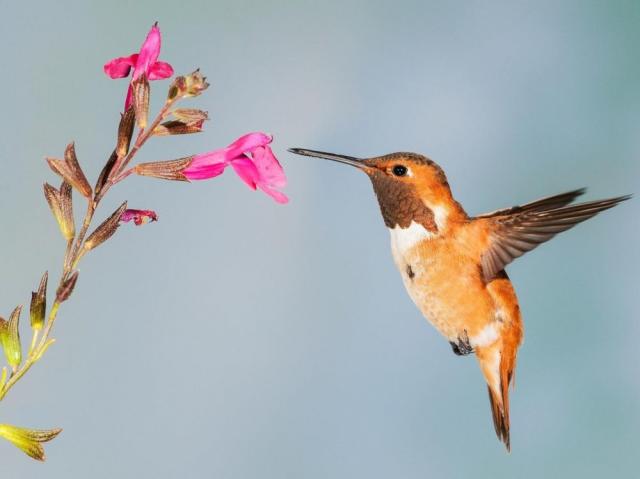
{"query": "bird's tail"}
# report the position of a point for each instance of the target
(498, 364)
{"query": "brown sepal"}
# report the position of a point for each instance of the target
(178, 127)
(141, 100)
(106, 172)
(52, 195)
(54, 198)
(106, 230)
(66, 205)
(66, 288)
(69, 169)
(125, 131)
(190, 114)
(74, 166)
(166, 170)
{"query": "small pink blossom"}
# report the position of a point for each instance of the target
(251, 158)
(145, 62)
(139, 217)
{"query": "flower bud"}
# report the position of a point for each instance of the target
(192, 84)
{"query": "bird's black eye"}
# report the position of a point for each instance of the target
(399, 170)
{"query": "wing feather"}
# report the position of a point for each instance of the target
(516, 230)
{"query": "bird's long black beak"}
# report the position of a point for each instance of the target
(349, 160)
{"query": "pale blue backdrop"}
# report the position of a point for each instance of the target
(237, 338)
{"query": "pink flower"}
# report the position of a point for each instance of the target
(139, 217)
(251, 158)
(146, 62)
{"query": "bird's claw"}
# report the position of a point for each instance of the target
(462, 347)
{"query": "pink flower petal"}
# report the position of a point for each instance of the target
(251, 158)
(206, 165)
(128, 101)
(279, 196)
(247, 143)
(149, 53)
(120, 67)
(160, 71)
(247, 171)
(271, 172)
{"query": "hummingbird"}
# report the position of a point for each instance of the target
(453, 264)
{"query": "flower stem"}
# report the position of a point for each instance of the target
(75, 251)
(71, 257)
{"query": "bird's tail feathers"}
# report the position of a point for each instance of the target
(498, 364)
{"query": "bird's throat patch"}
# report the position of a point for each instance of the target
(400, 204)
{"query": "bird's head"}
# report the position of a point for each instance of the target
(409, 187)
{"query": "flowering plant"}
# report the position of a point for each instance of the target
(250, 157)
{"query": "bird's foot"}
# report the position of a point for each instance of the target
(462, 347)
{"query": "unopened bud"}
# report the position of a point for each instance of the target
(192, 84)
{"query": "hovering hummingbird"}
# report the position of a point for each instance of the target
(453, 265)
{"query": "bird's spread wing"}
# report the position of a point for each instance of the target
(514, 231)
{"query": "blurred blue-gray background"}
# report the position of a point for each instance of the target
(237, 338)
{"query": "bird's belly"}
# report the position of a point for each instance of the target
(442, 301)
(445, 287)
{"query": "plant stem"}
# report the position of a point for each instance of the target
(75, 250)
(70, 259)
